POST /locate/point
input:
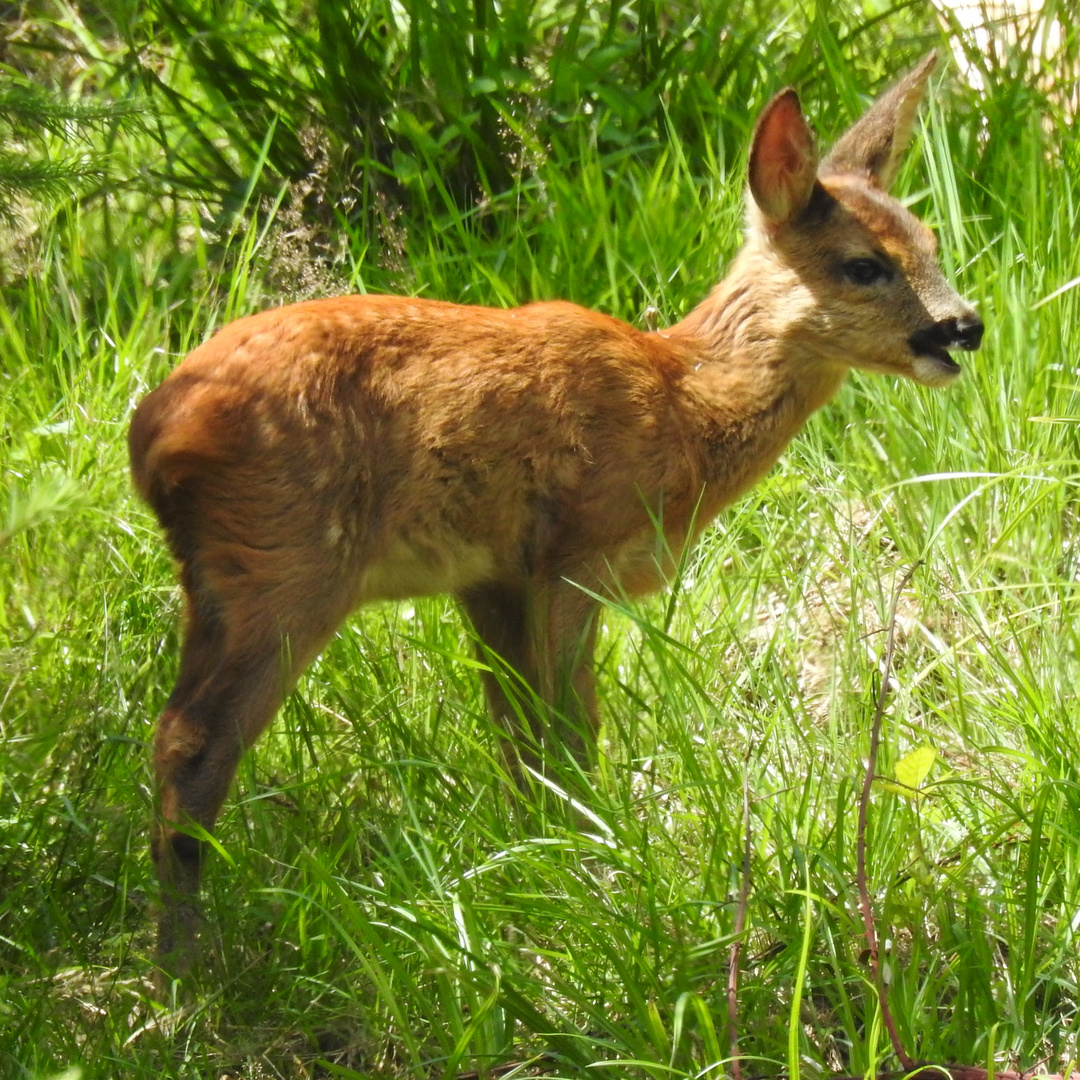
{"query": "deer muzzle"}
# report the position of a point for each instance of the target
(935, 340)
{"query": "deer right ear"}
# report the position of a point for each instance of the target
(783, 159)
(874, 145)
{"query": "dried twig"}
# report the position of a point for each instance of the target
(864, 805)
(740, 924)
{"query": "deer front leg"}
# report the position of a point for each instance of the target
(538, 637)
(563, 627)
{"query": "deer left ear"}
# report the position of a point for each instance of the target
(874, 146)
(783, 159)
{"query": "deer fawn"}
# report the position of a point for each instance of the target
(317, 457)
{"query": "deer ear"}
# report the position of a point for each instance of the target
(874, 145)
(783, 159)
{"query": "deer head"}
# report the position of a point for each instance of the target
(858, 272)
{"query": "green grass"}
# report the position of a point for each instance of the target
(384, 903)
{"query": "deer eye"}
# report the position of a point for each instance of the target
(865, 271)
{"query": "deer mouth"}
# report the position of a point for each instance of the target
(931, 341)
(939, 355)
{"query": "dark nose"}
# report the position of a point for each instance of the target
(965, 333)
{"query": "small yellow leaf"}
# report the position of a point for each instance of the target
(912, 770)
(896, 789)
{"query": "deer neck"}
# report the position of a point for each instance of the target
(753, 379)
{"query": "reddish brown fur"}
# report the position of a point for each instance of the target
(317, 457)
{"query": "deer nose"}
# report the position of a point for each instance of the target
(965, 332)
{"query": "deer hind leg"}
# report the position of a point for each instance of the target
(243, 649)
(539, 638)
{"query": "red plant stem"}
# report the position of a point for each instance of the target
(740, 923)
(864, 805)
